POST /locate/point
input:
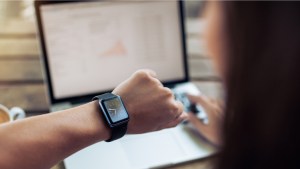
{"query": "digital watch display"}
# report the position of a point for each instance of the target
(114, 113)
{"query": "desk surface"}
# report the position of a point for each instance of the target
(22, 81)
(197, 164)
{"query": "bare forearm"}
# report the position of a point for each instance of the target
(42, 141)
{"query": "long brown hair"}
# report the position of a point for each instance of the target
(263, 86)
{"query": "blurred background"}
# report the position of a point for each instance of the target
(21, 73)
(21, 77)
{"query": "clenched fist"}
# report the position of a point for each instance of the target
(150, 105)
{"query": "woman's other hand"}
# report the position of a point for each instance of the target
(214, 111)
(151, 106)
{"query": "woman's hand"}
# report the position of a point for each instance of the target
(214, 111)
(151, 106)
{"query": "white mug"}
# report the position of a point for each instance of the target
(14, 113)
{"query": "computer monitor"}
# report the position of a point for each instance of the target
(89, 47)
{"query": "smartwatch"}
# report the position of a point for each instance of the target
(114, 113)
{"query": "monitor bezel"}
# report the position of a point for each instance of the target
(88, 97)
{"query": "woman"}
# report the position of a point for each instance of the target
(255, 47)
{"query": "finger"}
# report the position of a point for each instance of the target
(144, 73)
(152, 73)
(199, 99)
(199, 126)
(220, 103)
(196, 98)
(158, 82)
(214, 101)
(180, 108)
(207, 131)
(178, 120)
(192, 118)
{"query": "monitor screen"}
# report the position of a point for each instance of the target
(91, 47)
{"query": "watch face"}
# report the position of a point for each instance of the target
(116, 110)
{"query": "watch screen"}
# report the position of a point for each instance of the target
(115, 109)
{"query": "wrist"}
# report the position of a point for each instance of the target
(99, 126)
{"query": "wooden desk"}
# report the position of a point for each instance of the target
(22, 81)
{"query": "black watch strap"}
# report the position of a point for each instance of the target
(116, 131)
(104, 96)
